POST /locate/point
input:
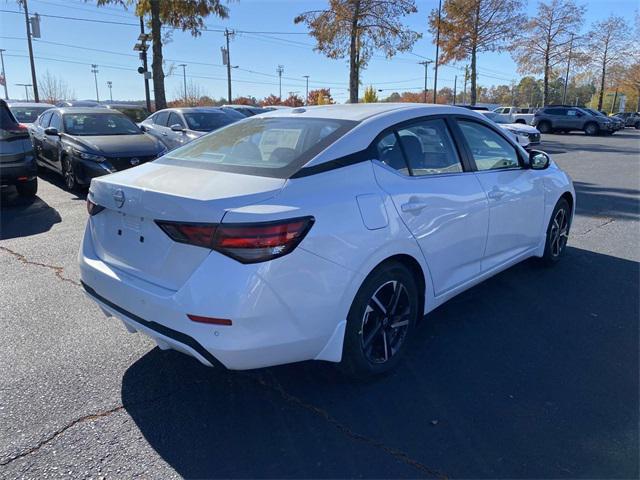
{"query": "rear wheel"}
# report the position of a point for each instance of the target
(591, 129)
(557, 232)
(637, 125)
(69, 174)
(544, 127)
(28, 189)
(381, 321)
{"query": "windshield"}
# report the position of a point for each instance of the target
(595, 112)
(207, 121)
(28, 114)
(99, 124)
(273, 147)
(495, 117)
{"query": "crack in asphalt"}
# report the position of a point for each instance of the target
(56, 269)
(607, 221)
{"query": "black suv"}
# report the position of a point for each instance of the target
(631, 119)
(561, 118)
(17, 161)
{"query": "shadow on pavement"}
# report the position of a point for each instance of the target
(21, 217)
(595, 200)
(590, 144)
(533, 373)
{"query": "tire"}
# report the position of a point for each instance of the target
(28, 189)
(374, 343)
(69, 175)
(544, 127)
(637, 125)
(557, 233)
(591, 129)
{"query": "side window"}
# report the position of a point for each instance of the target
(161, 118)
(555, 111)
(389, 152)
(572, 113)
(56, 121)
(490, 150)
(44, 119)
(429, 148)
(174, 119)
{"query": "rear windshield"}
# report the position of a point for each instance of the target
(272, 147)
(207, 121)
(135, 114)
(28, 114)
(99, 124)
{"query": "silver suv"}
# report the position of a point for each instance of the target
(560, 118)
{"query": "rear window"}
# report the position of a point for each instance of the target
(28, 114)
(272, 147)
(207, 121)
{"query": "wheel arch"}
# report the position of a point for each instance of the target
(416, 269)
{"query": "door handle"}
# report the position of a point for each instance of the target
(496, 194)
(413, 206)
(164, 134)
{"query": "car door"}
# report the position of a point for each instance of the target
(175, 138)
(51, 142)
(37, 134)
(514, 192)
(158, 126)
(442, 204)
(575, 119)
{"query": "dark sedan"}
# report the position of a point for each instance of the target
(83, 143)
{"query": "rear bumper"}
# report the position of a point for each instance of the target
(283, 311)
(13, 173)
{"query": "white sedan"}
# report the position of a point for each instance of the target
(319, 233)
(526, 135)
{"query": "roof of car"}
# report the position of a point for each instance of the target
(64, 110)
(125, 105)
(359, 111)
(197, 109)
(30, 104)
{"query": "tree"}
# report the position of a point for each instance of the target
(358, 27)
(271, 100)
(545, 39)
(195, 96)
(293, 100)
(468, 27)
(631, 80)
(444, 96)
(53, 89)
(320, 96)
(245, 101)
(608, 44)
(188, 15)
(370, 95)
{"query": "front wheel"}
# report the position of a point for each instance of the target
(381, 321)
(557, 233)
(544, 127)
(69, 174)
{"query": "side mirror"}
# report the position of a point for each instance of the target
(538, 160)
(51, 131)
(177, 128)
(142, 128)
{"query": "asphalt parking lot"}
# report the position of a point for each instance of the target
(532, 374)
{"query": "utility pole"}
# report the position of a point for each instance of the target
(94, 70)
(466, 77)
(226, 59)
(34, 80)
(566, 77)
(426, 72)
(280, 71)
(110, 85)
(184, 80)
(26, 89)
(143, 55)
(435, 75)
(4, 75)
(455, 88)
(306, 98)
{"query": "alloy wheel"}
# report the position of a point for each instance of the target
(69, 175)
(385, 322)
(559, 232)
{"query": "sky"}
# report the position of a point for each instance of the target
(67, 48)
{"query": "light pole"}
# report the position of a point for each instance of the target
(426, 64)
(4, 75)
(566, 77)
(142, 47)
(306, 99)
(26, 89)
(33, 65)
(280, 71)
(94, 70)
(110, 85)
(435, 76)
(184, 80)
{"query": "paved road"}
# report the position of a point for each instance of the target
(532, 374)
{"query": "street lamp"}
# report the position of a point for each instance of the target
(94, 70)
(184, 78)
(306, 99)
(26, 88)
(110, 85)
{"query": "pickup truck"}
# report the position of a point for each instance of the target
(516, 115)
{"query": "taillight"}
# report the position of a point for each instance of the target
(93, 208)
(245, 242)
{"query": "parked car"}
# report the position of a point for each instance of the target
(79, 103)
(516, 115)
(26, 112)
(17, 161)
(84, 143)
(234, 113)
(618, 124)
(526, 135)
(318, 233)
(561, 118)
(247, 110)
(137, 113)
(631, 119)
(176, 126)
